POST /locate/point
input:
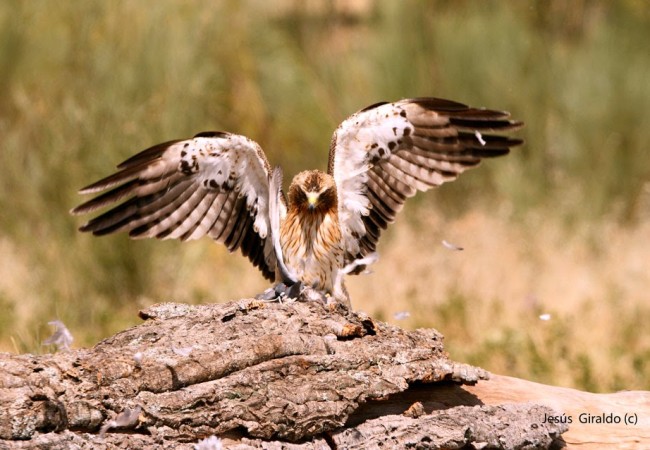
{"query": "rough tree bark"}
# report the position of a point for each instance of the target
(298, 375)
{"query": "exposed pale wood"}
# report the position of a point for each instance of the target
(501, 389)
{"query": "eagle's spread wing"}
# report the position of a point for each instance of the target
(385, 153)
(215, 184)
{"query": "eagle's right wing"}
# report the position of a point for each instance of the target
(215, 184)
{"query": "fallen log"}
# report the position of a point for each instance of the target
(298, 375)
(620, 420)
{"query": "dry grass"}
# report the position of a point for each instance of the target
(488, 298)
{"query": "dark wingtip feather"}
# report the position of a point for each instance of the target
(83, 208)
(124, 175)
(488, 145)
(466, 116)
(373, 106)
(438, 104)
(93, 227)
(485, 123)
(489, 153)
(480, 114)
(147, 155)
(515, 125)
(106, 198)
(212, 134)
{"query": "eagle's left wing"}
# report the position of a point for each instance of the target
(385, 153)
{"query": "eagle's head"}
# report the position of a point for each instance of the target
(313, 191)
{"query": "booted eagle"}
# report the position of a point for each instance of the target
(221, 185)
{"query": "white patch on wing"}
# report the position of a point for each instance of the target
(230, 162)
(362, 140)
(479, 137)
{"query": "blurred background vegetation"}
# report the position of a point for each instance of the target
(559, 227)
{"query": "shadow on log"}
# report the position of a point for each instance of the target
(293, 376)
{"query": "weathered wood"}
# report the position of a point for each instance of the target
(295, 375)
(587, 411)
(580, 406)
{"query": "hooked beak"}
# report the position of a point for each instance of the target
(312, 199)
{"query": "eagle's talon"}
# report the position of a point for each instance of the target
(269, 295)
(310, 294)
(281, 292)
(294, 290)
